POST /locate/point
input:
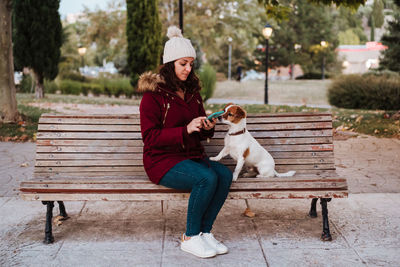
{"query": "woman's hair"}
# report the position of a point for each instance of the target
(167, 72)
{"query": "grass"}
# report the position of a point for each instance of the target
(285, 92)
(25, 129)
(74, 99)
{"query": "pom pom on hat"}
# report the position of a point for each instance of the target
(177, 46)
(174, 31)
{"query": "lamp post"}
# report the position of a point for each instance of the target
(230, 59)
(324, 45)
(181, 15)
(82, 52)
(267, 31)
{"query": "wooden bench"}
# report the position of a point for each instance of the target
(99, 157)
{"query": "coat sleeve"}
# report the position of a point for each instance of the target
(153, 133)
(203, 133)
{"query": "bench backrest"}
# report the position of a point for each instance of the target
(107, 146)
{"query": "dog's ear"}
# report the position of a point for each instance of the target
(241, 113)
(227, 105)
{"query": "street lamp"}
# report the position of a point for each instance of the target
(181, 15)
(267, 31)
(230, 58)
(324, 45)
(82, 52)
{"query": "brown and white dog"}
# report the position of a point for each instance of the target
(243, 148)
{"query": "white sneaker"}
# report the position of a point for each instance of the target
(214, 243)
(198, 247)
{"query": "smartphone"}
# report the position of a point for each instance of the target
(215, 115)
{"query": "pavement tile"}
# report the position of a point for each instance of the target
(97, 257)
(312, 257)
(381, 256)
(119, 210)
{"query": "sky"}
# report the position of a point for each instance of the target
(76, 6)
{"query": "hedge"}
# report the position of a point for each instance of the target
(369, 91)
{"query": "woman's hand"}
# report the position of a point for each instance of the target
(195, 125)
(208, 125)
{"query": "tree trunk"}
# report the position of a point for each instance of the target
(39, 90)
(291, 70)
(8, 101)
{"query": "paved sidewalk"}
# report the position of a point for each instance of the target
(365, 227)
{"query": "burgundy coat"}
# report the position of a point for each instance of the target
(164, 117)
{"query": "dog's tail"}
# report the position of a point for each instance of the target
(286, 174)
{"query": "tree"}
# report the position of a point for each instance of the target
(37, 39)
(348, 23)
(8, 102)
(280, 10)
(210, 23)
(143, 33)
(309, 24)
(106, 29)
(390, 56)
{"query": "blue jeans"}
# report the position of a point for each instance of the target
(209, 182)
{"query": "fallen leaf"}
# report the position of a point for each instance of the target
(359, 119)
(249, 213)
(58, 220)
(24, 138)
(376, 131)
(26, 164)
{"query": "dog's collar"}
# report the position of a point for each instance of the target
(237, 133)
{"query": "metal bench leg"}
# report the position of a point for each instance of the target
(48, 232)
(313, 209)
(326, 234)
(63, 213)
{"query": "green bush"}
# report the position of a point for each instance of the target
(50, 87)
(96, 89)
(117, 86)
(365, 92)
(69, 87)
(208, 81)
(26, 84)
(72, 75)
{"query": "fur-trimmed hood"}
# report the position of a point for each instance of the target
(149, 81)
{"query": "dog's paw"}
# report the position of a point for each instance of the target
(214, 158)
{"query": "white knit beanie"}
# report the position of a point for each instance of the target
(177, 46)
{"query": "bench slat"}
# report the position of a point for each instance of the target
(100, 169)
(136, 121)
(112, 187)
(132, 136)
(291, 194)
(88, 128)
(130, 174)
(328, 175)
(138, 158)
(127, 116)
(218, 127)
(42, 145)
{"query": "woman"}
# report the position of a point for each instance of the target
(173, 123)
